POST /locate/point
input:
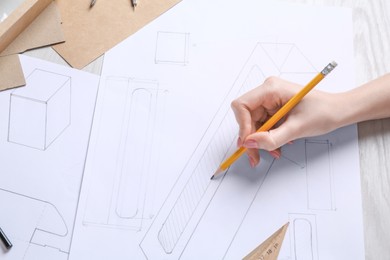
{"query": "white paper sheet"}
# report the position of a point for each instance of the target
(163, 124)
(44, 134)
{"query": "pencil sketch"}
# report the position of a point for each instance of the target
(172, 48)
(39, 113)
(37, 227)
(191, 197)
(303, 235)
(319, 175)
(129, 180)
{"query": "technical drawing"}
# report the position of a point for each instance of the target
(33, 226)
(319, 174)
(128, 192)
(172, 48)
(39, 113)
(303, 234)
(290, 61)
(178, 219)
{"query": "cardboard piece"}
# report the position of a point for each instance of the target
(11, 73)
(35, 23)
(19, 20)
(90, 32)
(270, 248)
(44, 30)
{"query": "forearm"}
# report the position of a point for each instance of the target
(367, 102)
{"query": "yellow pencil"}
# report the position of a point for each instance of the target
(278, 115)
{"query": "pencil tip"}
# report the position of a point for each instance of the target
(218, 171)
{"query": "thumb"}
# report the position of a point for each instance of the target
(269, 140)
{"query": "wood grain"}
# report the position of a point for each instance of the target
(371, 20)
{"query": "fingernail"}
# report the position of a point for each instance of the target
(251, 144)
(239, 142)
(252, 162)
(275, 154)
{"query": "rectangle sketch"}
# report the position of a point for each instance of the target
(172, 48)
(40, 113)
(128, 190)
(177, 221)
(319, 174)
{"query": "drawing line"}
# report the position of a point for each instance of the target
(319, 174)
(21, 136)
(185, 201)
(34, 235)
(304, 242)
(222, 139)
(129, 191)
(167, 53)
(225, 99)
(179, 215)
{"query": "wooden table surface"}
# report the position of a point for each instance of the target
(371, 20)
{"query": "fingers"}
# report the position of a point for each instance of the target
(253, 156)
(244, 120)
(276, 153)
(252, 109)
(270, 140)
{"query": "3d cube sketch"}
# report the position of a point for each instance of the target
(172, 48)
(41, 111)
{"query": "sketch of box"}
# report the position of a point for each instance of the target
(40, 112)
(172, 48)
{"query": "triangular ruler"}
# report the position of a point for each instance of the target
(269, 249)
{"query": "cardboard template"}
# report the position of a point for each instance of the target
(90, 32)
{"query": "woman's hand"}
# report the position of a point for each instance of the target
(316, 114)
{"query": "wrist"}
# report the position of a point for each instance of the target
(352, 108)
(346, 110)
(367, 102)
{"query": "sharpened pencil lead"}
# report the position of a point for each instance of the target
(218, 171)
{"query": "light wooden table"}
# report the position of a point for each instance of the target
(371, 20)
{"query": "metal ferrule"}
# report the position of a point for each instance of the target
(329, 68)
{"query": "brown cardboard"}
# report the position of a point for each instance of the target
(33, 24)
(90, 32)
(44, 30)
(19, 20)
(11, 74)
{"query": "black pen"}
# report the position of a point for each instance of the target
(5, 240)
